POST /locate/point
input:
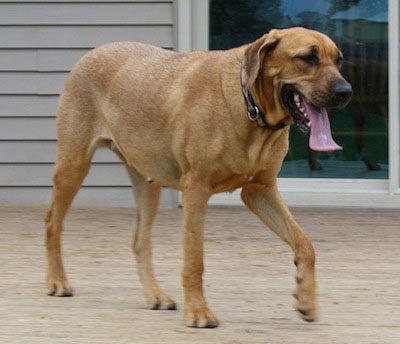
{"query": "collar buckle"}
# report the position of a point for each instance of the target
(254, 113)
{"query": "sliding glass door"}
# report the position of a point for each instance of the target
(360, 29)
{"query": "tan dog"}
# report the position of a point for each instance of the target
(202, 123)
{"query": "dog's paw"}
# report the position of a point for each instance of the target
(59, 287)
(306, 298)
(200, 318)
(309, 315)
(371, 165)
(314, 165)
(163, 302)
(306, 306)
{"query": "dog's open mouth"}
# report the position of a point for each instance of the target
(312, 121)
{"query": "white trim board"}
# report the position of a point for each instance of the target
(394, 104)
(338, 193)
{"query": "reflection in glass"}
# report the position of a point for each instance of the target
(360, 29)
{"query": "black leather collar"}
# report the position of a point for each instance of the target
(254, 113)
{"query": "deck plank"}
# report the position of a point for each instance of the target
(249, 279)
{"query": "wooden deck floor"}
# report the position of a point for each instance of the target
(249, 279)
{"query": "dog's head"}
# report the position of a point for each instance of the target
(294, 73)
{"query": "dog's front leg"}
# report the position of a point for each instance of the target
(197, 313)
(269, 206)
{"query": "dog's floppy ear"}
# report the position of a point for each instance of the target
(255, 54)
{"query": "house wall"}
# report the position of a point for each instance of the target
(39, 43)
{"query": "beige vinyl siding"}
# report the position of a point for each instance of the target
(39, 43)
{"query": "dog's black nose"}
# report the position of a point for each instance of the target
(342, 91)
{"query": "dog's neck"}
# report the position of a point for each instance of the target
(254, 112)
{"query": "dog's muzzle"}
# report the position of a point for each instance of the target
(312, 120)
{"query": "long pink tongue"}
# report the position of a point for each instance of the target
(321, 138)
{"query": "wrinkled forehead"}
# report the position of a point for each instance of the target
(303, 41)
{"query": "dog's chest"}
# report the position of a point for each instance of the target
(244, 166)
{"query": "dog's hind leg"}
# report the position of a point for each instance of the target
(147, 196)
(72, 166)
(268, 205)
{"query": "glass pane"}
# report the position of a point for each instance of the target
(360, 29)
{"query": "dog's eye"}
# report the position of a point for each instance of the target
(339, 62)
(310, 59)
